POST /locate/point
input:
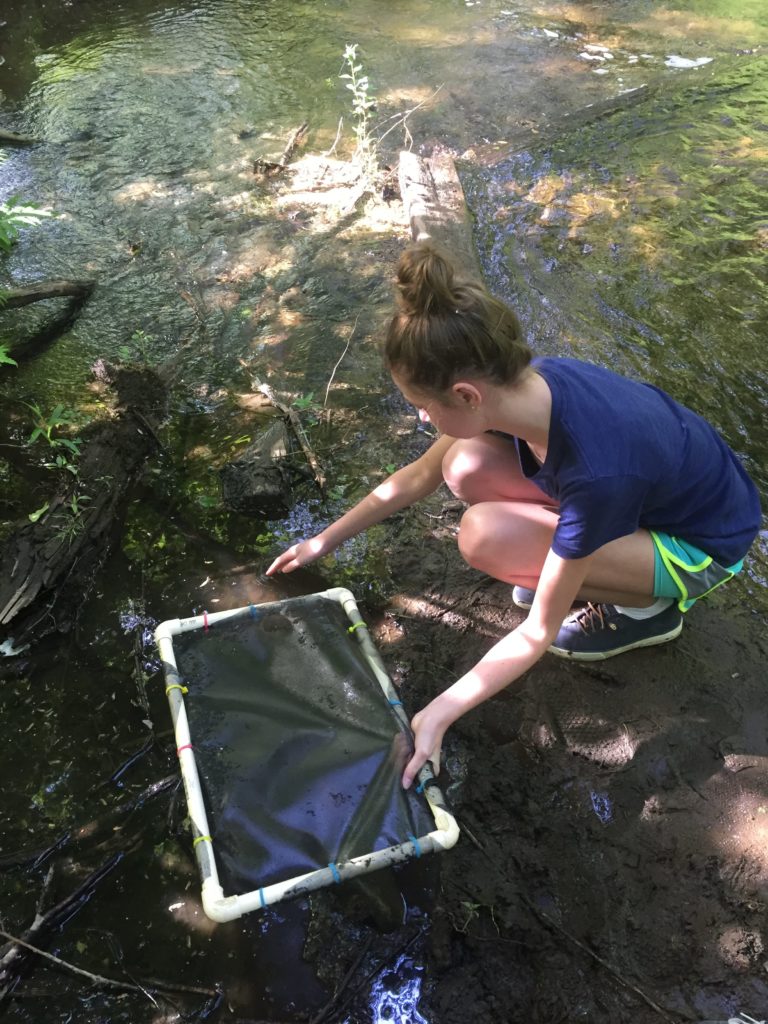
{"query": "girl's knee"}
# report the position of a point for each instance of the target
(456, 467)
(476, 534)
(466, 468)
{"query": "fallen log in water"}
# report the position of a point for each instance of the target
(12, 139)
(76, 292)
(14, 956)
(61, 288)
(47, 567)
(434, 204)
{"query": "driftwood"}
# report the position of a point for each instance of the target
(58, 289)
(76, 292)
(293, 418)
(434, 204)
(12, 139)
(274, 167)
(47, 567)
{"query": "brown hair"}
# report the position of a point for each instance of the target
(447, 326)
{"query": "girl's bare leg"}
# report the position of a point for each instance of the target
(486, 468)
(507, 533)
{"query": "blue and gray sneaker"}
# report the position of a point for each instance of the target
(523, 596)
(599, 631)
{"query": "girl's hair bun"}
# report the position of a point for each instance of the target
(426, 281)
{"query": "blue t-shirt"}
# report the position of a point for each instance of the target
(621, 455)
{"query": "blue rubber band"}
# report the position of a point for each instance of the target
(263, 901)
(252, 610)
(396, 703)
(420, 788)
(335, 872)
(416, 844)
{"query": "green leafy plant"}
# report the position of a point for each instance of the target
(140, 347)
(14, 215)
(34, 516)
(65, 450)
(70, 521)
(362, 102)
(304, 401)
(4, 357)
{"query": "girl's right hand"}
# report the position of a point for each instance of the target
(303, 553)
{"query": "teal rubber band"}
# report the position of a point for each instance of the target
(420, 788)
(252, 610)
(335, 872)
(396, 703)
(416, 845)
(261, 897)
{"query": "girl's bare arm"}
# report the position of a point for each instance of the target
(506, 661)
(403, 488)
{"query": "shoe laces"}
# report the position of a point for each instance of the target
(593, 617)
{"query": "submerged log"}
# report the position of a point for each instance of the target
(258, 482)
(47, 567)
(524, 138)
(292, 417)
(14, 956)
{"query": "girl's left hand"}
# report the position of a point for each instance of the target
(429, 727)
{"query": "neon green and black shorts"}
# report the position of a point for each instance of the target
(685, 572)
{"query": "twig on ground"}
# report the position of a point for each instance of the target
(344, 982)
(99, 979)
(338, 363)
(272, 167)
(332, 150)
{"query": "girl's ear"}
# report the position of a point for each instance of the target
(466, 393)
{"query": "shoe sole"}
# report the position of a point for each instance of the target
(651, 641)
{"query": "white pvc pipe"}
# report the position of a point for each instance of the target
(223, 908)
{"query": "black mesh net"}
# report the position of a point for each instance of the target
(299, 751)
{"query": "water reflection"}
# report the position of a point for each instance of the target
(395, 994)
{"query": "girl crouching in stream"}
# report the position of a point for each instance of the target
(581, 485)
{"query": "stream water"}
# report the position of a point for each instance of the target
(638, 242)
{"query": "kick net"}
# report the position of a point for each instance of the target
(292, 741)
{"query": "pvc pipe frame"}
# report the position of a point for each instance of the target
(223, 908)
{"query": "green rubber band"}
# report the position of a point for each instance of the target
(357, 625)
(176, 686)
(202, 839)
